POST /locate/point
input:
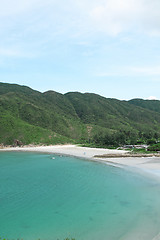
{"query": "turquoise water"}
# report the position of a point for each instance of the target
(50, 199)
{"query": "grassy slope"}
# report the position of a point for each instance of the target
(36, 117)
(49, 110)
(12, 128)
(113, 113)
(153, 105)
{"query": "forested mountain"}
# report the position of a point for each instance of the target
(34, 117)
(153, 105)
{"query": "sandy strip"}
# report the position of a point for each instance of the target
(148, 164)
(71, 150)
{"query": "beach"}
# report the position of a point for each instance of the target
(123, 158)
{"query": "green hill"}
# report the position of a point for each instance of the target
(34, 117)
(153, 105)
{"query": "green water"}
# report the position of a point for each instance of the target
(50, 199)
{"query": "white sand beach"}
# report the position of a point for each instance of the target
(147, 164)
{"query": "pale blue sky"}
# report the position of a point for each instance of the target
(108, 47)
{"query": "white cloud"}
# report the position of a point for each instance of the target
(115, 16)
(92, 16)
(130, 71)
(152, 98)
(9, 52)
(146, 71)
(35, 23)
(9, 7)
(15, 53)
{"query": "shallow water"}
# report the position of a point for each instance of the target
(51, 197)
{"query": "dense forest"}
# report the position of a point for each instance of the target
(31, 117)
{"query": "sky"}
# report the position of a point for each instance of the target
(108, 47)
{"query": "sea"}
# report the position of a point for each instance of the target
(52, 197)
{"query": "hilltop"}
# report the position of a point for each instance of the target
(30, 116)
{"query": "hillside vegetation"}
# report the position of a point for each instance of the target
(50, 118)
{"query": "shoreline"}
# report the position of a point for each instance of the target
(147, 163)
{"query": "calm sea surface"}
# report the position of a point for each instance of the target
(52, 197)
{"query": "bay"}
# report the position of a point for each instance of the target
(54, 197)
